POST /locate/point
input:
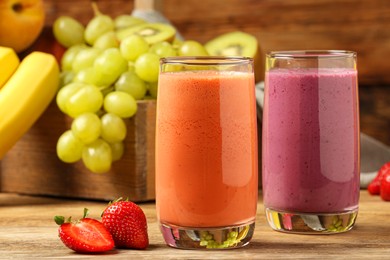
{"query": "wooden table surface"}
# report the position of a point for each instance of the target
(27, 230)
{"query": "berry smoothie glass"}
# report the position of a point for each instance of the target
(311, 145)
(206, 152)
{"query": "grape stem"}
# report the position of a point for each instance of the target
(95, 8)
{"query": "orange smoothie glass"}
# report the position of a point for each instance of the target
(206, 152)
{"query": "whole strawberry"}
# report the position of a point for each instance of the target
(127, 224)
(86, 235)
(374, 188)
(385, 187)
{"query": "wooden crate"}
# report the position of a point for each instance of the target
(32, 166)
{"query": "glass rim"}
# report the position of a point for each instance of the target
(311, 54)
(206, 60)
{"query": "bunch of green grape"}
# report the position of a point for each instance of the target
(102, 78)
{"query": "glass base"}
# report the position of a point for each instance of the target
(306, 223)
(207, 238)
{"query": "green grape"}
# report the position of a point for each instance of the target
(91, 76)
(86, 99)
(86, 127)
(126, 20)
(97, 26)
(69, 55)
(87, 76)
(113, 128)
(192, 48)
(131, 66)
(117, 150)
(97, 156)
(147, 67)
(84, 59)
(176, 43)
(133, 46)
(66, 77)
(163, 49)
(65, 93)
(153, 89)
(68, 31)
(110, 65)
(120, 104)
(69, 147)
(107, 40)
(106, 90)
(130, 83)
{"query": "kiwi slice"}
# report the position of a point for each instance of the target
(238, 44)
(152, 32)
(126, 20)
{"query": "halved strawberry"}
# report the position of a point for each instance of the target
(86, 235)
(127, 224)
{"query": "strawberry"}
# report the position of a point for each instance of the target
(385, 186)
(127, 223)
(374, 187)
(86, 235)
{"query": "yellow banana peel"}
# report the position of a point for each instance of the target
(25, 96)
(9, 62)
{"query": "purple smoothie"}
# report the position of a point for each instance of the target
(311, 140)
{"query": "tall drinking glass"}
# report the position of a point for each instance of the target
(311, 145)
(206, 152)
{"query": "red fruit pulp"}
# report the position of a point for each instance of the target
(87, 235)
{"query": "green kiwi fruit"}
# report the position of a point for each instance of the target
(152, 32)
(238, 43)
(126, 20)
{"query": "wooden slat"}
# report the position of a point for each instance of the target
(32, 166)
(27, 230)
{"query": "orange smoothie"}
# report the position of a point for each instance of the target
(206, 149)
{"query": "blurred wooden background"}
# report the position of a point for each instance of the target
(359, 25)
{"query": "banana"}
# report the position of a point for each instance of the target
(25, 96)
(9, 61)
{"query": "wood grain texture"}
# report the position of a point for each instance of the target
(375, 112)
(27, 230)
(32, 166)
(359, 25)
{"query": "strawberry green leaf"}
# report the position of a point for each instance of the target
(59, 220)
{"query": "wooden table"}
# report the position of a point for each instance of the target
(27, 230)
